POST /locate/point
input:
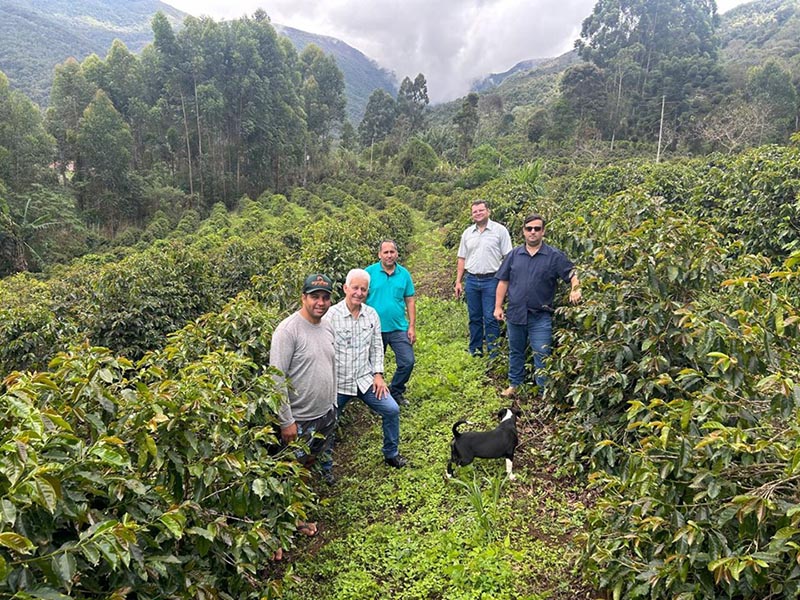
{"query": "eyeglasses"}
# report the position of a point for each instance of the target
(530, 228)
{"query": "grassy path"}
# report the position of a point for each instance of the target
(411, 534)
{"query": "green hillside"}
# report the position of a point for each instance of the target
(756, 31)
(362, 76)
(741, 90)
(36, 35)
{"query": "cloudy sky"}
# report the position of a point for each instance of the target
(452, 42)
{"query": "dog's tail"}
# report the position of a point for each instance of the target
(456, 432)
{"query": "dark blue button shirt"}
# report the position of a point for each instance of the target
(532, 280)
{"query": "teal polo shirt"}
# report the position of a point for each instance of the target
(387, 295)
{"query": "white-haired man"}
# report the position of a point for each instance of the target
(358, 349)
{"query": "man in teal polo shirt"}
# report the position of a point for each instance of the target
(391, 294)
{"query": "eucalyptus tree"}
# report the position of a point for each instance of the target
(323, 93)
(324, 101)
(104, 141)
(770, 88)
(379, 118)
(69, 97)
(466, 121)
(651, 50)
(412, 99)
(583, 89)
(172, 71)
(268, 106)
(25, 147)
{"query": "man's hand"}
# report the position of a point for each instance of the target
(499, 314)
(379, 386)
(575, 295)
(412, 334)
(289, 433)
(458, 289)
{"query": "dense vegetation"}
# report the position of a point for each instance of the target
(155, 226)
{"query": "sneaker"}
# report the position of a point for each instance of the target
(396, 461)
(400, 399)
(509, 392)
(328, 477)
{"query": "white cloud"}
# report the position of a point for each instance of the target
(452, 42)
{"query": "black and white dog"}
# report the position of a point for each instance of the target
(500, 442)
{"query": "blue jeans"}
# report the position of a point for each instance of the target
(404, 355)
(538, 333)
(480, 306)
(387, 408)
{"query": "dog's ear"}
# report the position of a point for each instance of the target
(517, 411)
(501, 413)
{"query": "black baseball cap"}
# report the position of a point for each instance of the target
(317, 283)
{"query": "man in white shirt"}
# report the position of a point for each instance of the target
(358, 348)
(480, 253)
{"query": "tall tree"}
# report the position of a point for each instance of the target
(379, 118)
(412, 99)
(123, 78)
(467, 120)
(104, 141)
(583, 88)
(652, 49)
(26, 148)
(770, 87)
(324, 102)
(174, 72)
(69, 97)
(323, 93)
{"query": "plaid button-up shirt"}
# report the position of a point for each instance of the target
(358, 346)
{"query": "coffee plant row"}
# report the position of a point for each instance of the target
(129, 303)
(677, 380)
(153, 468)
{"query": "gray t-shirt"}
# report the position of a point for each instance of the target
(304, 353)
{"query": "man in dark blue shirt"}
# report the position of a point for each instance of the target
(529, 275)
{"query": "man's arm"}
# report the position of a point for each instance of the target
(459, 276)
(280, 357)
(411, 308)
(500, 295)
(376, 359)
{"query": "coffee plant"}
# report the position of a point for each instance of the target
(157, 478)
(676, 382)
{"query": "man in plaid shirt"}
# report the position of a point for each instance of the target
(358, 350)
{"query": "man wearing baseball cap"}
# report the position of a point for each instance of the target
(302, 350)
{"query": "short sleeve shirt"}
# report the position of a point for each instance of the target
(387, 295)
(532, 280)
(483, 251)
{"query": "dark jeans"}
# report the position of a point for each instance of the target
(404, 355)
(538, 333)
(480, 306)
(387, 408)
(325, 426)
